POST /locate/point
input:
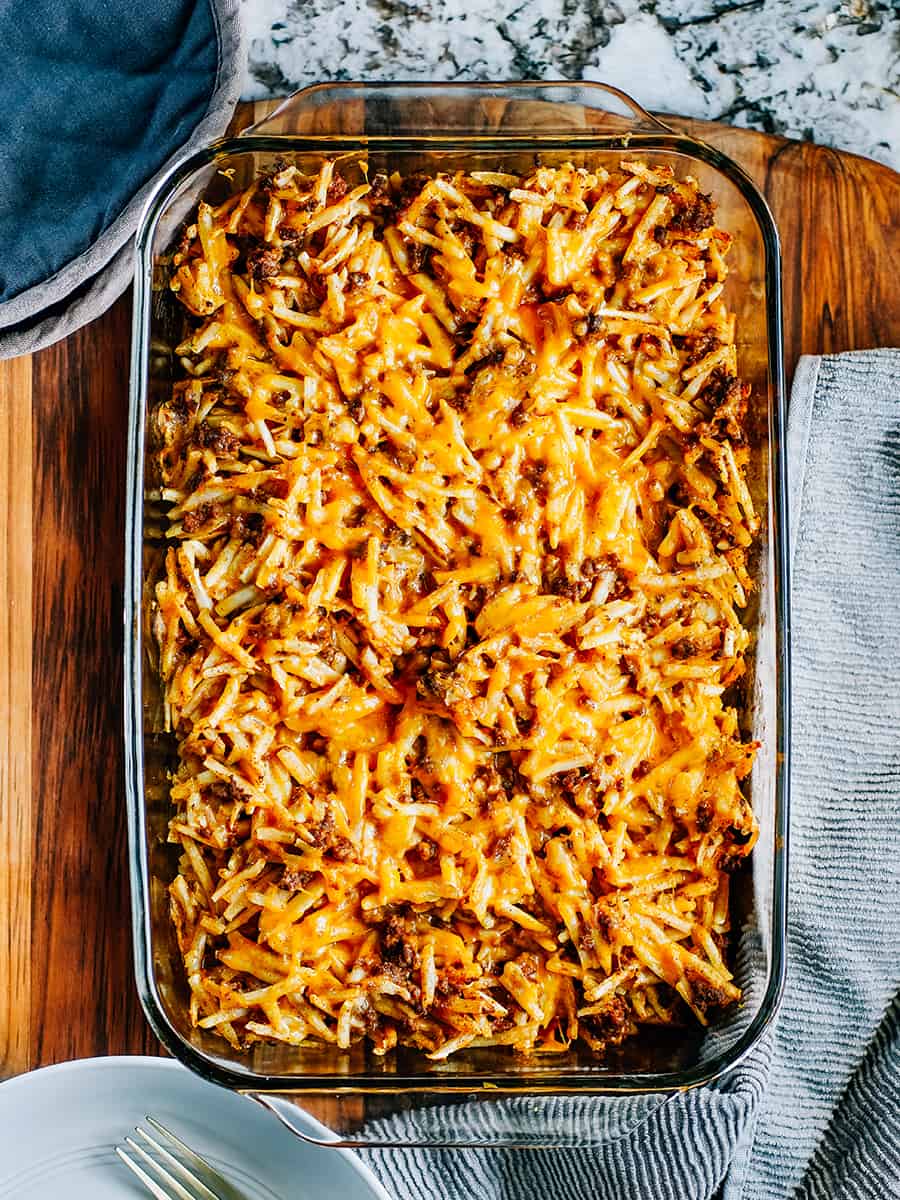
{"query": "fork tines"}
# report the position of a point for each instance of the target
(166, 1176)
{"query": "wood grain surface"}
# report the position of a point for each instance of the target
(66, 988)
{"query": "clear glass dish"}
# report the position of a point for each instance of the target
(403, 1098)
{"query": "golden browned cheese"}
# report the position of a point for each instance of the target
(458, 537)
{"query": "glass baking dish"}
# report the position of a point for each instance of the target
(357, 1097)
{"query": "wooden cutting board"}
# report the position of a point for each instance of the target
(66, 988)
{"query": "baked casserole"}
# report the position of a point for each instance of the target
(449, 624)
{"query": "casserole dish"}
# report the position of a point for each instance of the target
(404, 1098)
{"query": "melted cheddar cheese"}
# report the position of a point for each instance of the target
(458, 536)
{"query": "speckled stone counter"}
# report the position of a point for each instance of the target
(804, 68)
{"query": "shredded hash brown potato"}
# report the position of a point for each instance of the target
(458, 533)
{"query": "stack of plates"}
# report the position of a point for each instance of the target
(59, 1127)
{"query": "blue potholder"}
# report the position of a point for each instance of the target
(99, 96)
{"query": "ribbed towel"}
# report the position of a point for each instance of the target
(814, 1112)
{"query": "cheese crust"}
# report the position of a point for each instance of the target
(455, 469)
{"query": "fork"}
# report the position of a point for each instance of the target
(166, 1175)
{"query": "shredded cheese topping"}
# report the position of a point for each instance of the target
(458, 534)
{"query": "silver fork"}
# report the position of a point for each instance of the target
(186, 1176)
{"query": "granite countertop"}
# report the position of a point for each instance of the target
(812, 69)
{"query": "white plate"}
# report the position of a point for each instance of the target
(58, 1127)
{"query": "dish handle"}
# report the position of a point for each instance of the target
(469, 1119)
(533, 111)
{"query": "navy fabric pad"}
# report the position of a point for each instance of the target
(97, 95)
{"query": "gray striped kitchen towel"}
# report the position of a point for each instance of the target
(814, 1112)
